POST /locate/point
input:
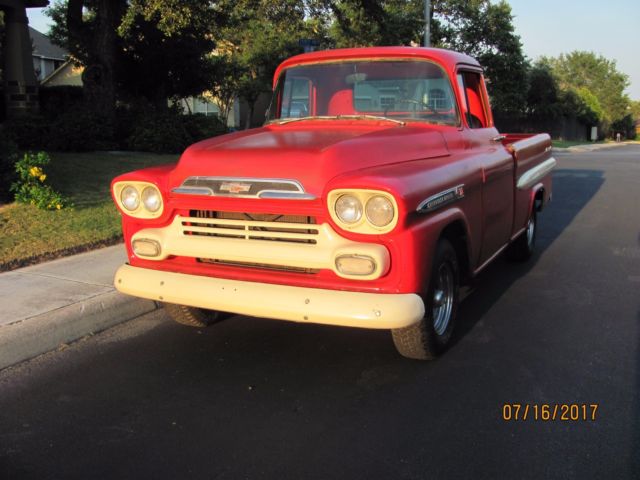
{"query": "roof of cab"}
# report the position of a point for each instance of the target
(448, 58)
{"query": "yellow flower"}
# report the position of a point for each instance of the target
(58, 206)
(42, 177)
(35, 171)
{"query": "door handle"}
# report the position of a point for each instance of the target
(498, 138)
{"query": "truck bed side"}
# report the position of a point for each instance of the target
(532, 173)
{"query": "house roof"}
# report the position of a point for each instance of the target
(42, 46)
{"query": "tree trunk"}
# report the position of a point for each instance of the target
(251, 103)
(98, 78)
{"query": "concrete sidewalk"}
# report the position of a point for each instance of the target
(592, 147)
(57, 302)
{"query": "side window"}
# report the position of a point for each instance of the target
(471, 89)
(295, 102)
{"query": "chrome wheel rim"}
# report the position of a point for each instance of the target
(443, 298)
(531, 229)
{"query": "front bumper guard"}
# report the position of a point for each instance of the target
(282, 302)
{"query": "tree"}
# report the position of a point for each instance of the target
(547, 101)
(359, 23)
(95, 36)
(582, 72)
(625, 126)
(225, 83)
(479, 28)
(138, 48)
(634, 107)
(543, 95)
(259, 35)
(485, 31)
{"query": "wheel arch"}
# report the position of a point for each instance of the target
(537, 198)
(457, 234)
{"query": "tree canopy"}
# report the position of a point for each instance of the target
(139, 48)
(157, 49)
(479, 28)
(596, 80)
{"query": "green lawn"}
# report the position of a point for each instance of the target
(29, 235)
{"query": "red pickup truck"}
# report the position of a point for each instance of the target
(377, 186)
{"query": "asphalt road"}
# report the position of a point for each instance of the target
(252, 398)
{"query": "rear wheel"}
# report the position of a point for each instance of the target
(192, 316)
(426, 339)
(522, 248)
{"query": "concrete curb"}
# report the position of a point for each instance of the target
(33, 336)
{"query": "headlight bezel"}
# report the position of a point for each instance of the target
(363, 225)
(141, 211)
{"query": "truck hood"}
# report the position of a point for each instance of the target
(312, 154)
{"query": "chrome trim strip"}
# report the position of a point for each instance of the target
(193, 191)
(286, 195)
(439, 200)
(211, 186)
(533, 175)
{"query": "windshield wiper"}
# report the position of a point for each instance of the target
(339, 117)
(299, 119)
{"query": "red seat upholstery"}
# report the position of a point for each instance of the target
(341, 103)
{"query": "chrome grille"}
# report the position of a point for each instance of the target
(251, 226)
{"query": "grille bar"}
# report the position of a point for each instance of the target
(262, 266)
(246, 226)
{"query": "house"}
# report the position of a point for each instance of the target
(46, 56)
(66, 74)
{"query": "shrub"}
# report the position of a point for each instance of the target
(8, 156)
(166, 130)
(28, 130)
(80, 129)
(54, 100)
(159, 132)
(30, 187)
(200, 126)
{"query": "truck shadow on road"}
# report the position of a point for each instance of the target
(573, 189)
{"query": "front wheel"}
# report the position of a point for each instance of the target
(192, 316)
(428, 338)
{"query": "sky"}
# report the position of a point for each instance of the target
(611, 28)
(552, 27)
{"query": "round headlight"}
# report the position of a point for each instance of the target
(348, 209)
(379, 211)
(151, 199)
(130, 198)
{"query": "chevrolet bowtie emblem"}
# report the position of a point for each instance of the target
(233, 187)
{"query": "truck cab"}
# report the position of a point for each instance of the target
(377, 186)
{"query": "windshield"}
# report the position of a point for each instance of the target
(397, 90)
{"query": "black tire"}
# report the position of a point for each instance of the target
(192, 316)
(523, 247)
(428, 338)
